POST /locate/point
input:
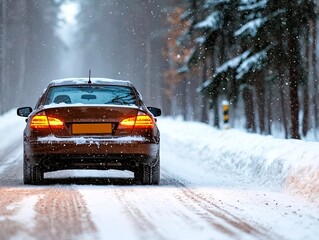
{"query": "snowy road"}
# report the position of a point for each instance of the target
(193, 201)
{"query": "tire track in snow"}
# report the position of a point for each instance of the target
(145, 227)
(217, 217)
(62, 214)
(179, 207)
(58, 213)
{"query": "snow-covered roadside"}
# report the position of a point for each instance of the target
(11, 141)
(10, 125)
(289, 165)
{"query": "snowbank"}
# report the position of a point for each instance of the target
(291, 165)
(10, 126)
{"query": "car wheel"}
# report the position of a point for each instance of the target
(31, 174)
(150, 175)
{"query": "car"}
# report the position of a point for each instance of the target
(91, 123)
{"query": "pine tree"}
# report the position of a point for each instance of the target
(258, 41)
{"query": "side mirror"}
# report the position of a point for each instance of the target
(155, 111)
(24, 111)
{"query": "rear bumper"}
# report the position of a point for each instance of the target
(91, 153)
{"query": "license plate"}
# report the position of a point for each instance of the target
(92, 128)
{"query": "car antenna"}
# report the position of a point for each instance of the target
(89, 82)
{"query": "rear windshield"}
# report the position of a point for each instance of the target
(118, 95)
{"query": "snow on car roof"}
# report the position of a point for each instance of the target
(73, 81)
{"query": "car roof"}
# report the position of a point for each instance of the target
(84, 81)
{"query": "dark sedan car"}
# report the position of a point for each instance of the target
(91, 124)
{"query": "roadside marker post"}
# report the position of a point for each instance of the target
(225, 105)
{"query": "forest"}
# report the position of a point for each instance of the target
(185, 56)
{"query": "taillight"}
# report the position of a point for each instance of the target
(140, 121)
(39, 122)
(127, 123)
(55, 123)
(144, 122)
(42, 122)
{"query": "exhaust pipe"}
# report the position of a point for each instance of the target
(46, 163)
(133, 163)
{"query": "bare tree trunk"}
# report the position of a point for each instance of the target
(216, 113)
(294, 61)
(27, 8)
(260, 91)
(148, 53)
(315, 74)
(294, 102)
(193, 98)
(249, 109)
(204, 113)
(3, 70)
(282, 101)
(166, 104)
(215, 102)
(269, 105)
(305, 118)
(183, 97)
(166, 88)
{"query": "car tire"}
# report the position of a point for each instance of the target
(155, 178)
(150, 175)
(32, 174)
